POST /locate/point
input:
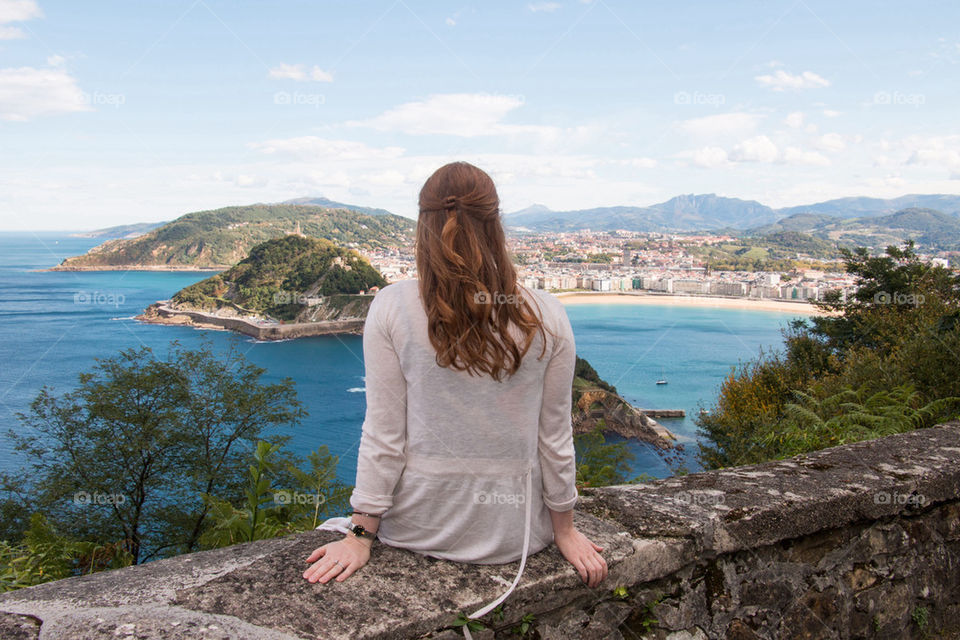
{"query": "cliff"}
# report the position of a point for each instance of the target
(856, 541)
(596, 404)
(601, 408)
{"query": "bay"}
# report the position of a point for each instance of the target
(54, 324)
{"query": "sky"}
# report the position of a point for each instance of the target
(114, 112)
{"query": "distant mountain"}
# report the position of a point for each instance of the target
(330, 204)
(927, 227)
(860, 207)
(805, 222)
(709, 212)
(120, 231)
(220, 238)
(682, 213)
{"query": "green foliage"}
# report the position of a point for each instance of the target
(525, 627)
(583, 370)
(599, 463)
(884, 361)
(223, 237)
(472, 624)
(44, 555)
(847, 416)
(268, 511)
(131, 452)
(647, 621)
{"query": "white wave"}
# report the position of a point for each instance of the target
(357, 390)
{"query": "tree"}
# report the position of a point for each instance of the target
(891, 353)
(128, 455)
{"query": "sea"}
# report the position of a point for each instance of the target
(54, 325)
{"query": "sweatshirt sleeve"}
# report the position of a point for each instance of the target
(556, 451)
(381, 456)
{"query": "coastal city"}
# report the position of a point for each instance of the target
(611, 262)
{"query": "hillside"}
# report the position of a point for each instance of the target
(220, 238)
(927, 227)
(710, 212)
(777, 251)
(289, 279)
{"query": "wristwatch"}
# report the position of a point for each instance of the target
(360, 532)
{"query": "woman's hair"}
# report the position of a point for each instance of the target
(467, 281)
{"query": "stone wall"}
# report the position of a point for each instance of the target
(857, 541)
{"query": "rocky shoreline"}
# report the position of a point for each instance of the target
(129, 267)
(613, 414)
(163, 313)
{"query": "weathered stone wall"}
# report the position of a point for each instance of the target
(857, 541)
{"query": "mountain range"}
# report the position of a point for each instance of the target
(707, 212)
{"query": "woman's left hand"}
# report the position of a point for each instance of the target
(337, 559)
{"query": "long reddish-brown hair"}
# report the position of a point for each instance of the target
(467, 281)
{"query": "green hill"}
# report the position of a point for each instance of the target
(220, 238)
(929, 228)
(777, 251)
(294, 278)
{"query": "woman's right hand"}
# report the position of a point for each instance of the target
(583, 555)
(337, 560)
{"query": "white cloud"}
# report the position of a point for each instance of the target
(709, 157)
(456, 114)
(16, 11)
(782, 80)
(300, 73)
(935, 151)
(543, 6)
(27, 93)
(832, 142)
(756, 149)
(451, 22)
(640, 163)
(313, 147)
(830, 113)
(736, 123)
(793, 155)
(794, 120)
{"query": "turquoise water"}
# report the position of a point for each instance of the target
(53, 325)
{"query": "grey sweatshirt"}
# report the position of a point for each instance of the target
(443, 454)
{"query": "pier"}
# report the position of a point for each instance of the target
(665, 413)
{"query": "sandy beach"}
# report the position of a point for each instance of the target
(717, 302)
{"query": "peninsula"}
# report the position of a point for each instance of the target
(289, 287)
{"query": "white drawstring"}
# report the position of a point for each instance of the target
(479, 613)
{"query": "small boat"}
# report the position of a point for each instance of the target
(663, 379)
